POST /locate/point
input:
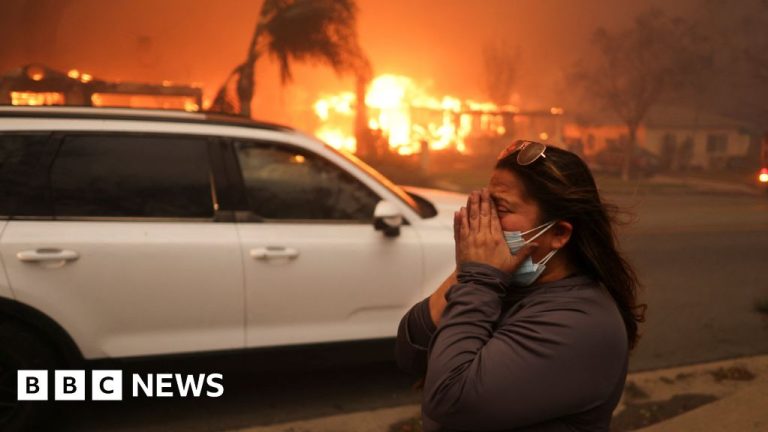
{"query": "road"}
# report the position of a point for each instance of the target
(701, 258)
(703, 263)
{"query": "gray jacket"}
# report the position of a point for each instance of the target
(549, 357)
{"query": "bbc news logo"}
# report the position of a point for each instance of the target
(107, 385)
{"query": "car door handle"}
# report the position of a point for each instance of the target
(47, 254)
(274, 252)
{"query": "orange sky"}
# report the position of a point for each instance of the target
(437, 42)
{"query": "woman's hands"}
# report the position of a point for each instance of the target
(479, 237)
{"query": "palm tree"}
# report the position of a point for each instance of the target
(321, 31)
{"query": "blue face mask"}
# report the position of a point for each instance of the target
(528, 271)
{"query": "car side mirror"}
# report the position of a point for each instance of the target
(387, 218)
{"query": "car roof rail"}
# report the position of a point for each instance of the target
(208, 118)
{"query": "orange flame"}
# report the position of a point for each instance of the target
(407, 116)
(36, 98)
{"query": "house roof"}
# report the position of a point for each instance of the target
(668, 117)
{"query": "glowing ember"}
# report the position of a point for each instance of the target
(36, 73)
(408, 117)
(190, 106)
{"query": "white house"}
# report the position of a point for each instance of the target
(681, 138)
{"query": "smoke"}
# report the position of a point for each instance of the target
(436, 42)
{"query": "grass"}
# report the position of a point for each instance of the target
(734, 373)
(616, 186)
(469, 178)
(741, 176)
(464, 174)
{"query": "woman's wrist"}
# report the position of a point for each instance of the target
(437, 305)
(469, 268)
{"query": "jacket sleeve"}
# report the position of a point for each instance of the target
(413, 334)
(539, 365)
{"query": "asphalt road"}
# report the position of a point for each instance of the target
(702, 260)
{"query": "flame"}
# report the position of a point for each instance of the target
(386, 101)
(337, 114)
(408, 117)
(191, 106)
(338, 139)
(144, 101)
(36, 73)
(82, 76)
(557, 111)
(37, 98)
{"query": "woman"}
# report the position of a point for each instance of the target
(533, 330)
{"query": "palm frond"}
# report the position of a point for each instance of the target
(315, 31)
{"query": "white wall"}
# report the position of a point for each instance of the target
(737, 143)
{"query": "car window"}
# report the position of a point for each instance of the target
(405, 197)
(132, 176)
(24, 162)
(285, 183)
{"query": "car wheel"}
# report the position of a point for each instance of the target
(21, 348)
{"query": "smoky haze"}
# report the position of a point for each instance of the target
(438, 43)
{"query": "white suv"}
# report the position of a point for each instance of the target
(134, 232)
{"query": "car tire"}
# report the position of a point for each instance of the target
(21, 348)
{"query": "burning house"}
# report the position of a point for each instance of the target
(39, 85)
(403, 118)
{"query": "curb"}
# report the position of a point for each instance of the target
(740, 403)
(378, 420)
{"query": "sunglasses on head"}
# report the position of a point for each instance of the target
(528, 151)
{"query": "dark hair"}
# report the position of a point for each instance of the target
(563, 187)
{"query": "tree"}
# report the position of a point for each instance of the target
(631, 70)
(322, 31)
(738, 85)
(753, 49)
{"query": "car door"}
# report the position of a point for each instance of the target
(316, 270)
(115, 237)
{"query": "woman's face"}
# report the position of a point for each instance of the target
(516, 212)
(520, 213)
